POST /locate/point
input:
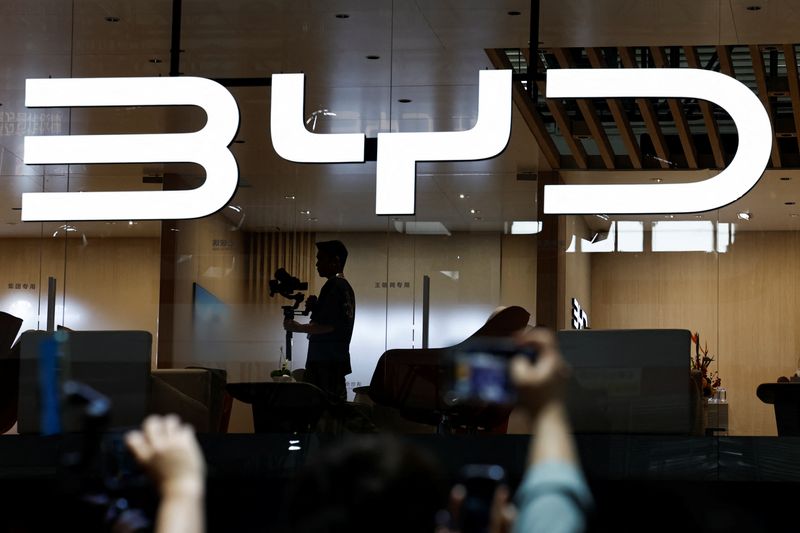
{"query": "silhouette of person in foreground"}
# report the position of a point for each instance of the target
(383, 484)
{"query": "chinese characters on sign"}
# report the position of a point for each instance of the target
(29, 123)
(393, 284)
(22, 286)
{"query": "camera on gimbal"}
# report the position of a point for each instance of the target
(289, 287)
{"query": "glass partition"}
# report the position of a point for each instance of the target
(478, 239)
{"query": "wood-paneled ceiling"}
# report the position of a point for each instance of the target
(648, 133)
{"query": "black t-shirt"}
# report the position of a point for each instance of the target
(335, 307)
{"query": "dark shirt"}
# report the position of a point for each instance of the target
(335, 307)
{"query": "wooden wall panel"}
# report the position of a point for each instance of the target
(577, 271)
(743, 302)
(759, 317)
(104, 283)
(518, 271)
(655, 290)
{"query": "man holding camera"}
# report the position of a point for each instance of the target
(331, 326)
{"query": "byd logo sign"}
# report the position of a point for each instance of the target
(398, 153)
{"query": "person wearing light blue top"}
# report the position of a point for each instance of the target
(553, 496)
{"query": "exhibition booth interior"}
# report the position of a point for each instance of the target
(672, 317)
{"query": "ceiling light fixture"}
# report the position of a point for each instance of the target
(305, 212)
(744, 215)
(312, 120)
(289, 197)
(66, 227)
(155, 61)
(463, 196)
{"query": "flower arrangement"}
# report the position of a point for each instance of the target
(284, 373)
(707, 381)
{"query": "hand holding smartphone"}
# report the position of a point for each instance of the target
(480, 483)
(480, 370)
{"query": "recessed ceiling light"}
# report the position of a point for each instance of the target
(373, 57)
(155, 61)
(404, 100)
(463, 196)
(514, 13)
(474, 211)
(477, 218)
(745, 215)
(312, 219)
(305, 212)
(289, 197)
(657, 180)
(669, 216)
(754, 8)
(342, 16)
(112, 19)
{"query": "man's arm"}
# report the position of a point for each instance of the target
(311, 328)
(540, 386)
(553, 496)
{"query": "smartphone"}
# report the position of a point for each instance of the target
(480, 373)
(480, 483)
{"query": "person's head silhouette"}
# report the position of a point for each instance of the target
(331, 258)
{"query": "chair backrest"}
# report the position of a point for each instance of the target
(786, 399)
(9, 327)
(415, 381)
(9, 370)
(628, 381)
(115, 363)
(196, 394)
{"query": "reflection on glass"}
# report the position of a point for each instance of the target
(630, 236)
(683, 236)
